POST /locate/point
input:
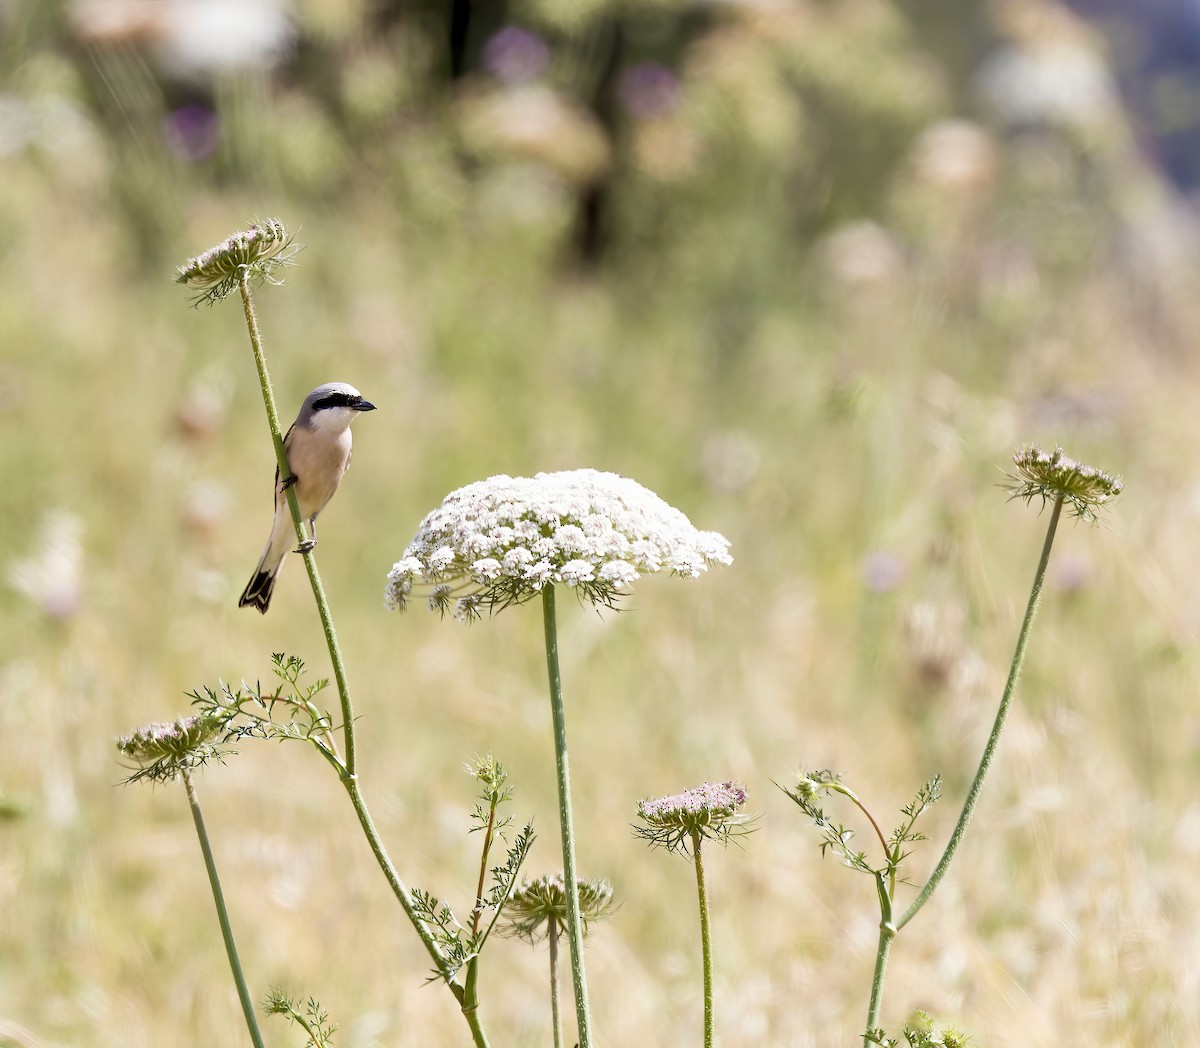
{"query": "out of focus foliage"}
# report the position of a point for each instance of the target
(810, 270)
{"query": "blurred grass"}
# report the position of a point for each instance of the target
(817, 390)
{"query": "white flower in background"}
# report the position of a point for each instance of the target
(501, 541)
(52, 577)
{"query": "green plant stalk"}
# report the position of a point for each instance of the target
(469, 1001)
(888, 929)
(574, 924)
(222, 913)
(705, 939)
(985, 762)
(555, 1013)
(887, 933)
(348, 768)
(397, 885)
(310, 560)
(470, 997)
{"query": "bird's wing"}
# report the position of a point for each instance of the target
(278, 479)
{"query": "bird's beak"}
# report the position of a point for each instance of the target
(364, 405)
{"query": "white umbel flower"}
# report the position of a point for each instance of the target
(501, 541)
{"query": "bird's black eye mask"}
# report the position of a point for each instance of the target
(336, 400)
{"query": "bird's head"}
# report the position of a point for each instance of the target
(332, 406)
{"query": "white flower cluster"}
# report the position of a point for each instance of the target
(501, 541)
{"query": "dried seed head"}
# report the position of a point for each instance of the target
(540, 905)
(1053, 476)
(257, 251)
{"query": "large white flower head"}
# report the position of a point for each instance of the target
(501, 541)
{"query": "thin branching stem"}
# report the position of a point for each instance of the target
(477, 912)
(571, 885)
(888, 928)
(222, 912)
(985, 762)
(310, 559)
(887, 851)
(348, 766)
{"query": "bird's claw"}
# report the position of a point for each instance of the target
(307, 546)
(289, 482)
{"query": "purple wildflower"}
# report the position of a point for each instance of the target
(516, 56)
(649, 90)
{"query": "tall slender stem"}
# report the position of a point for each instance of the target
(222, 913)
(705, 939)
(393, 878)
(574, 924)
(555, 1013)
(310, 559)
(989, 750)
(348, 769)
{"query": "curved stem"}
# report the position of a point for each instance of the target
(348, 768)
(705, 939)
(310, 559)
(887, 852)
(222, 913)
(574, 924)
(393, 878)
(989, 750)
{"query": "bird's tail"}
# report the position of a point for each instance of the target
(258, 590)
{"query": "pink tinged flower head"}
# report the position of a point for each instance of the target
(710, 799)
(501, 541)
(713, 810)
(162, 751)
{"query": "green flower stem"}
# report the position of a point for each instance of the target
(574, 924)
(887, 935)
(222, 913)
(989, 750)
(887, 932)
(348, 767)
(888, 928)
(705, 939)
(470, 1002)
(310, 560)
(555, 1013)
(393, 878)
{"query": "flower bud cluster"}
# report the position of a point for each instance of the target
(532, 907)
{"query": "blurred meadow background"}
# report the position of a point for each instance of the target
(811, 271)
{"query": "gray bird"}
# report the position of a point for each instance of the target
(318, 455)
